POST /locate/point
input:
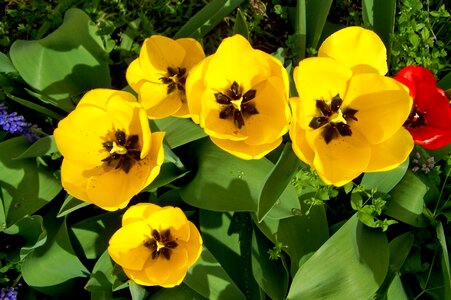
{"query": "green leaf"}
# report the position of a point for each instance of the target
(367, 12)
(385, 181)
(94, 233)
(180, 292)
(25, 185)
(396, 290)
(31, 229)
(399, 250)
(207, 18)
(102, 277)
(316, 15)
(277, 181)
(71, 204)
(208, 278)
(138, 292)
(343, 265)
(224, 182)
(6, 66)
(300, 31)
(406, 202)
(34, 106)
(66, 63)
(381, 16)
(240, 26)
(44, 146)
(53, 268)
(445, 82)
(271, 275)
(179, 131)
(228, 237)
(444, 260)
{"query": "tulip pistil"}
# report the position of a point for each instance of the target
(161, 244)
(123, 151)
(416, 118)
(236, 105)
(175, 80)
(333, 118)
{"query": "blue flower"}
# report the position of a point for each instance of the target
(15, 124)
(8, 293)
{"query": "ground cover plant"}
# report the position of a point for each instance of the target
(225, 149)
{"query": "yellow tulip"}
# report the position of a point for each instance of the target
(349, 117)
(109, 153)
(155, 245)
(158, 75)
(239, 96)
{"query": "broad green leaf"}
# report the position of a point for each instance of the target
(444, 259)
(271, 275)
(207, 18)
(316, 15)
(445, 82)
(32, 230)
(406, 202)
(343, 265)
(53, 268)
(399, 250)
(94, 233)
(66, 63)
(25, 185)
(36, 107)
(277, 181)
(208, 278)
(381, 16)
(168, 173)
(228, 237)
(102, 277)
(44, 146)
(224, 182)
(300, 31)
(180, 292)
(179, 131)
(396, 290)
(301, 234)
(385, 181)
(240, 26)
(71, 204)
(6, 66)
(138, 292)
(367, 12)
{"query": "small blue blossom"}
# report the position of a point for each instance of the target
(8, 293)
(15, 124)
(421, 163)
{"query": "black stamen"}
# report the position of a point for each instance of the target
(343, 129)
(222, 99)
(156, 235)
(235, 91)
(238, 119)
(349, 113)
(324, 108)
(336, 103)
(249, 95)
(120, 137)
(318, 122)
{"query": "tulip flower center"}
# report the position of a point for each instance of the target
(123, 151)
(235, 105)
(333, 119)
(161, 244)
(416, 118)
(175, 80)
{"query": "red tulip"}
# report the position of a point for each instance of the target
(429, 122)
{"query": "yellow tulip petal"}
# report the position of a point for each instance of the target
(96, 97)
(159, 270)
(72, 179)
(299, 142)
(271, 121)
(359, 49)
(235, 60)
(183, 111)
(135, 75)
(159, 53)
(277, 70)
(171, 218)
(126, 246)
(155, 158)
(140, 277)
(139, 212)
(77, 139)
(382, 106)
(195, 88)
(390, 153)
(194, 245)
(167, 107)
(194, 52)
(318, 78)
(246, 151)
(340, 161)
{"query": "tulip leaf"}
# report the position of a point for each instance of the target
(180, 292)
(44, 146)
(444, 257)
(71, 204)
(94, 233)
(224, 182)
(316, 16)
(138, 292)
(300, 31)
(66, 63)
(240, 26)
(179, 131)
(399, 250)
(6, 66)
(277, 181)
(54, 267)
(102, 277)
(407, 200)
(34, 106)
(352, 262)
(207, 18)
(228, 237)
(385, 181)
(445, 82)
(25, 185)
(396, 290)
(208, 278)
(271, 274)
(381, 16)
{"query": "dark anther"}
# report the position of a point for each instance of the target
(335, 103)
(329, 133)
(171, 244)
(324, 108)
(166, 253)
(175, 80)
(349, 113)
(156, 235)
(161, 243)
(343, 129)
(247, 108)
(416, 118)
(318, 122)
(123, 161)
